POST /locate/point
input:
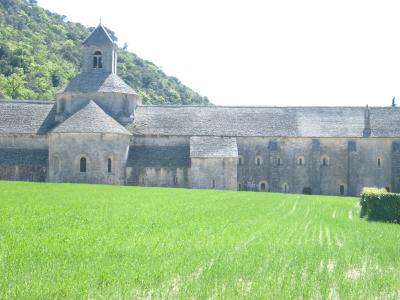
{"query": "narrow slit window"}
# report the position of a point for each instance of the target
(82, 165)
(109, 165)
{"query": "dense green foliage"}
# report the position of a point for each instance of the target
(71, 241)
(40, 51)
(380, 205)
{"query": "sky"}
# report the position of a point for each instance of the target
(261, 52)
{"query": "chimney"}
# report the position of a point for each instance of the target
(367, 122)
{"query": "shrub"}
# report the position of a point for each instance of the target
(380, 205)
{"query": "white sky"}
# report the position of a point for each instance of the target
(281, 52)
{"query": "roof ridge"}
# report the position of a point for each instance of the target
(101, 30)
(28, 101)
(91, 118)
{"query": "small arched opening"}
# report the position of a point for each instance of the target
(341, 190)
(263, 186)
(324, 160)
(97, 60)
(258, 160)
(285, 188)
(109, 165)
(379, 162)
(82, 165)
(300, 161)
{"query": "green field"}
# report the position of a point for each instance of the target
(90, 241)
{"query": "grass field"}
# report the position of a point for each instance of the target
(90, 241)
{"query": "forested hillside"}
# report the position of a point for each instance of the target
(40, 51)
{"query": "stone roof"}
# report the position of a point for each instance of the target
(159, 156)
(264, 121)
(23, 157)
(213, 146)
(90, 119)
(98, 37)
(29, 117)
(97, 82)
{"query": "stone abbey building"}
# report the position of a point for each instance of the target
(97, 131)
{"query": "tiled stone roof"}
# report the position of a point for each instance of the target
(90, 119)
(23, 157)
(98, 37)
(159, 156)
(97, 82)
(264, 121)
(213, 146)
(30, 117)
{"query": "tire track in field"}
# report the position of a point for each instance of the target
(172, 287)
(320, 236)
(350, 215)
(339, 240)
(303, 236)
(328, 235)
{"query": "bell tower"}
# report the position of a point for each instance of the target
(100, 52)
(98, 81)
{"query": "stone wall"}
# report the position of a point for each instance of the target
(157, 176)
(329, 165)
(20, 167)
(23, 173)
(66, 150)
(213, 173)
(28, 141)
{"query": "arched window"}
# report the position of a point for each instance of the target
(82, 165)
(176, 180)
(285, 188)
(341, 190)
(324, 160)
(300, 160)
(240, 160)
(109, 165)
(263, 186)
(258, 160)
(379, 162)
(279, 161)
(97, 60)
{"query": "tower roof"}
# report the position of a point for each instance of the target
(91, 119)
(98, 37)
(97, 82)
